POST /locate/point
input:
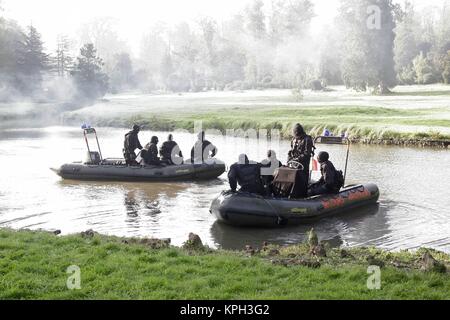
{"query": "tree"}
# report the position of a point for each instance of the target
(102, 33)
(92, 82)
(423, 70)
(446, 72)
(368, 43)
(63, 59)
(31, 61)
(122, 74)
(256, 24)
(406, 45)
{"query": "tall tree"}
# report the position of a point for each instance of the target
(368, 44)
(91, 81)
(406, 44)
(122, 75)
(32, 61)
(256, 19)
(63, 58)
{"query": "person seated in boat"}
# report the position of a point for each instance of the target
(268, 167)
(302, 147)
(170, 152)
(202, 149)
(131, 143)
(331, 180)
(247, 175)
(150, 153)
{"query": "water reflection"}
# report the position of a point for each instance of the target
(334, 230)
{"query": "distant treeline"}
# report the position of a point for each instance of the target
(371, 45)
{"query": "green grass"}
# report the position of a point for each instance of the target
(33, 266)
(360, 122)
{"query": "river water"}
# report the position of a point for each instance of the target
(413, 211)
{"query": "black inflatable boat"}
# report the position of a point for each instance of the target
(99, 169)
(117, 172)
(245, 209)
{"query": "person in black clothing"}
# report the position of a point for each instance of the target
(131, 143)
(268, 168)
(247, 175)
(150, 153)
(331, 180)
(170, 151)
(202, 149)
(302, 147)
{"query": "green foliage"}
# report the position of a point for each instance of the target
(423, 69)
(446, 72)
(91, 81)
(368, 58)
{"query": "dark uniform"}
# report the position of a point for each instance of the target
(330, 182)
(248, 176)
(302, 150)
(131, 143)
(150, 155)
(166, 151)
(198, 150)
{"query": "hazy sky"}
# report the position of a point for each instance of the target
(53, 17)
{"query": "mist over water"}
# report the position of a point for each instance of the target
(413, 210)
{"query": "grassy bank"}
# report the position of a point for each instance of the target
(33, 266)
(363, 124)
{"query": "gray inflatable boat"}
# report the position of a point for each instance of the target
(245, 209)
(99, 169)
(110, 171)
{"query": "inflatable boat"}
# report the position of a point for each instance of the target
(109, 171)
(99, 169)
(250, 210)
(245, 209)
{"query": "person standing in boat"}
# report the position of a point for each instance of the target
(131, 143)
(302, 148)
(170, 152)
(150, 153)
(331, 180)
(202, 149)
(247, 175)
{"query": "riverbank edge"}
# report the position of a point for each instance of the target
(356, 134)
(34, 265)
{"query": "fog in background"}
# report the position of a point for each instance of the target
(72, 51)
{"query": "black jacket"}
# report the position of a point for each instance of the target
(302, 150)
(131, 142)
(199, 148)
(167, 148)
(150, 155)
(329, 176)
(248, 176)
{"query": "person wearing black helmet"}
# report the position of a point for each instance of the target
(331, 180)
(150, 152)
(130, 145)
(170, 151)
(202, 149)
(302, 148)
(247, 175)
